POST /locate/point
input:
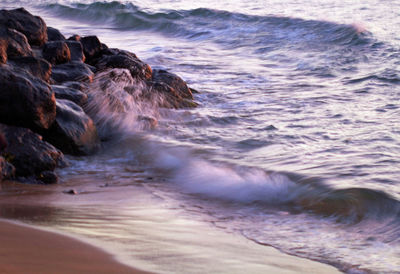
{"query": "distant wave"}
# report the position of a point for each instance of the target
(221, 26)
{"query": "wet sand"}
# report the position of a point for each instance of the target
(25, 249)
(140, 229)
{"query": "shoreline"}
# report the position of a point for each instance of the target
(28, 249)
(143, 232)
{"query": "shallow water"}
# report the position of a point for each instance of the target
(296, 138)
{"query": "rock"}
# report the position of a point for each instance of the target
(33, 27)
(54, 34)
(76, 85)
(74, 95)
(25, 100)
(56, 52)
(7, 170)
(29, 153)
(75, 37)
(72, 71)
(3, 142)
(3, 51)
(17, 43)
(48, 177)
(115, 58)
(76, 50)
(37, 67)
(91, 46)
(71, 191)
(174, 81)
(73, 131)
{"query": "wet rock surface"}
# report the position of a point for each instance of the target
(25, 100)
(72, 71)
(33, 27)
(73, 131)
(69, 93)
(28, 152)
(56, 52)
(37, 67)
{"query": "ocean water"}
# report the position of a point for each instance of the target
(295, 142)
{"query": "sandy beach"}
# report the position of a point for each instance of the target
(25, 249)
(143, 232)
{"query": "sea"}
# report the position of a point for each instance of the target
(294, 144)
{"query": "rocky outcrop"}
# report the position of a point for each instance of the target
(32, 57)
(37, 67)
(25, 100)
(73, 131)
(56, 52)
(29, 154)
(68, 93)
(33, 27)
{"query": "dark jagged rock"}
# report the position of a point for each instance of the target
(174, 81)
(174, 91)
(73, 131)
(25, 100)
(76, 50)
(7, 170)
(17, 43)
(115, 58)
(56, 52)
(75, 37)
(91, 47)
(73, 71)
(54, 34)
(29, 153)
(33, 27)
(37, 67)
(3, 51)
(74, 95)
(48, 177)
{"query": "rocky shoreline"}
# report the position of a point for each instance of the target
(46, 107)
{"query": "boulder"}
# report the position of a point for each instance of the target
(37, 67)
(7, 170)
(115, 58)
(170, 90)
(73, 131)
(3, 51)
(74, 95)
(33, 27)
(25, 100)
(29, 153)
(174, 81)
(72, 71)
(54, 35)
(17, 43)
(74, 37)
(76, 50)
(56, 52)
(91, 46)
